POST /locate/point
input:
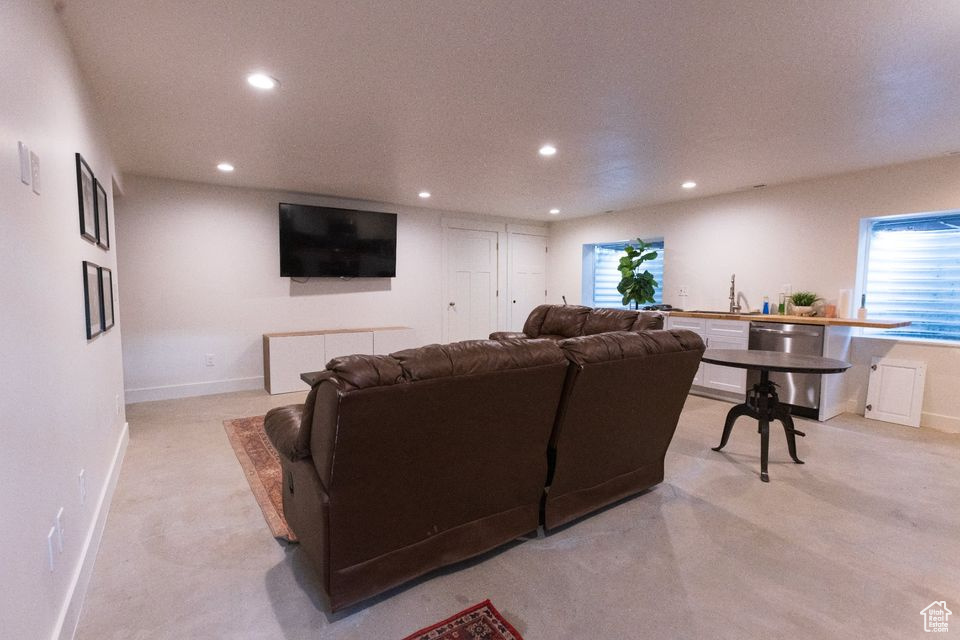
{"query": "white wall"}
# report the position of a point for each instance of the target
(57, 390)
(201, 274)
(804, 234)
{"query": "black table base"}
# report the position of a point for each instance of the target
(763, 405)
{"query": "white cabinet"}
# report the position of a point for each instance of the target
(287, 355)
(718, 334)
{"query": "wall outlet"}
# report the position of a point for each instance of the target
(50, 542)
(682, 291)
(208, 360)
(116, 400)
(82, 479)
(58, 523)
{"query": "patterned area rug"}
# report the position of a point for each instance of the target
(261, 465)
(479, 622)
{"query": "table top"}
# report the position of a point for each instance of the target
(774, 361)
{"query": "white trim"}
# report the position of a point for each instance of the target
(173, 391)
(940, 422)
(66, 625)
(529, 230)
(472, 225)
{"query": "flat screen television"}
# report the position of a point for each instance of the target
(328, 242)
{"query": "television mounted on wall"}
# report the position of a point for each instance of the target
(326, 242)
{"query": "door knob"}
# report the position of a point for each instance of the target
(452, 304)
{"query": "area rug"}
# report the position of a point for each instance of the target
(261, 465)
(479, 622)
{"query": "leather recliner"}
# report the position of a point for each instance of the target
(397, 465)
(556, 322)
(621, 403)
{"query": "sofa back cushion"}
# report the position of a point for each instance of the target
(604, 320)
(647, 320)
(564, 320)
(459, 437)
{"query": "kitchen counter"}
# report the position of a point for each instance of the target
(756, 317)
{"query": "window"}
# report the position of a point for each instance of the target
(912, 272)
(601, 276)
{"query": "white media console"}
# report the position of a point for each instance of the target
(287, 355)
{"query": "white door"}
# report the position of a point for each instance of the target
(471, 306)
(527, 277)
(895, 391)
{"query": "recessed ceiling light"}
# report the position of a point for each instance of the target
(424, 194)
(226, 167)
(689, 184)
(548, 150)
(262, 81)
(554, 211)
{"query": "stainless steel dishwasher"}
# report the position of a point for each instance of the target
(800, 390)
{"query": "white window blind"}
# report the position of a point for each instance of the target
(913, 273)
(606, 277)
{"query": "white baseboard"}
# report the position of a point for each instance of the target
(940, 422)
(66, 625)
(173, 391)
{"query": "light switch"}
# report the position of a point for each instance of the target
(35, 172)
(24, 163)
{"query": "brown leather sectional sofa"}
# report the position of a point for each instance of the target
(398, 465)
(557, 322)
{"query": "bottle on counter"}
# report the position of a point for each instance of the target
(766, 305)
(782, 307)
(862, 311)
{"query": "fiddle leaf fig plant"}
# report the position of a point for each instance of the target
(636, 283)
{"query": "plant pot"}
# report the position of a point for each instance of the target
(802, 311)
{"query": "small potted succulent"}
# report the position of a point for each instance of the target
(801, 303)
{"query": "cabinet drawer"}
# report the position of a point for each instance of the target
(692, 324)
(728, 328)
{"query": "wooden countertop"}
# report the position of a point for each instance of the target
(755, 317)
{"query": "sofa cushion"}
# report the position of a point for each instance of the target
(535, 320)
(361, 371)
(621, 345)
(564, 320)
(646, 320)
(475, 356)
(604, 320)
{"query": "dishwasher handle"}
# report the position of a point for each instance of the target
(781, 332)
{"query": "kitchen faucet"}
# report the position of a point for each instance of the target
(734, 307)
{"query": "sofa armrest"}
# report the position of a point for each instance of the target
(509, 335)
(283, 428)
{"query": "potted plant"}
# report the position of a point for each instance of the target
(802, 302)
(636, 283)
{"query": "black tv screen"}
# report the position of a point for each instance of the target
(329, 242)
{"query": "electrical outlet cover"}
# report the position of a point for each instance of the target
(24, 163)
(35, 172)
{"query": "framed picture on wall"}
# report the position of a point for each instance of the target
(103, 221)
(92, 297)
(87, 197)
(106, 287)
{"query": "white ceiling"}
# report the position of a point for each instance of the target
(383, 98)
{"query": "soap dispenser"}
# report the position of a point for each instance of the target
(862, 311)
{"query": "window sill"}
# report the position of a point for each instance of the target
(955, 344)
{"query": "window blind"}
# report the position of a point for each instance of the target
(913, 273)
(606, 277)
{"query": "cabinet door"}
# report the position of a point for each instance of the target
(697, 326)
(723, 378)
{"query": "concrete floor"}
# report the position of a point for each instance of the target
(852, 544)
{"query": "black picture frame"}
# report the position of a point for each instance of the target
(92, 299)
(86, 196)
(107, 319)
(103, 220)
